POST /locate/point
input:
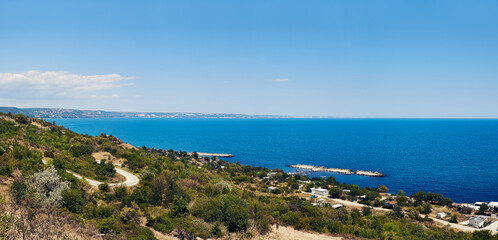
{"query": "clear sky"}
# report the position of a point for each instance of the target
(323, 58)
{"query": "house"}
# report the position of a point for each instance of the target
(362, 197)
(475, 208)
(271, 174)
(477, 222)
(336, 206)
(478, 204)
(272, 188)
(492, 205)
(320, 191)
(441, 215)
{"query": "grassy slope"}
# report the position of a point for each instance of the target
(180, 193)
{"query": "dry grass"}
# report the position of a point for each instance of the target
(289, 233)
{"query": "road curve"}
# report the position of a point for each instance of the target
(131, 180)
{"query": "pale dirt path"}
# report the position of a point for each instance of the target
(289, 233)
(131, 180)
(492, 227)
(454, 225)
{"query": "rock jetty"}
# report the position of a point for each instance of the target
(214, 154)
(337, 170)
(369, 173)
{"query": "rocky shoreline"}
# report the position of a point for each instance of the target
(226, 155)
(337, 170)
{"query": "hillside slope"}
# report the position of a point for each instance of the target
(178, 194)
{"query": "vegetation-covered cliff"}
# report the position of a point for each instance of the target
(178, 194)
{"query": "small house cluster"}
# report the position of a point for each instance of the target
(477, 221)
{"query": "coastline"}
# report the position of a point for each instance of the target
(337, 170)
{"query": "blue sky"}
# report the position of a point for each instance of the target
(321, 58)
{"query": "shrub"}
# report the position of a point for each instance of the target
(178, 206)
(72, 200)
(290, 218)
(80, 150)
(234, 213)
(216, 230)
(209, 209)
(104, 187)
(48, 187)
(108, 225)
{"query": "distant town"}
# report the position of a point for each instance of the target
(74, 113)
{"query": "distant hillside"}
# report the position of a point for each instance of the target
(74, 113)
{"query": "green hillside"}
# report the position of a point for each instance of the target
(177, 194)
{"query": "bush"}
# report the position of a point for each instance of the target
(6, 170)
(335, 193)
(290, 218)
(72, 200)
(80, 150)
(48, 187)
(454, 219)
(108, 225)
(105, 170)
(209, 209)
(178, 206)
(104, 187)
(234, 213)
(216, 230)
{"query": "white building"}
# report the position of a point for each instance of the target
(478, 204)
(336, 206)
(477, 222)
(475, 208)
(492, 205)
(271, 189)
(441, 215)
(320, 191)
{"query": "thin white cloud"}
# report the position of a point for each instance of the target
(280, 80)
(37, 84)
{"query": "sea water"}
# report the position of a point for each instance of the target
(457, 158)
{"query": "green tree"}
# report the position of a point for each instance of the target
(398, 211)
(426, 208)
(72, 200)
(235, 213)
(367, 211)
(454, 219)
(420, 196)
(382, 189)
(401, 198)
(335, 193)
(80, 150)
(179, 206)
(483, 208)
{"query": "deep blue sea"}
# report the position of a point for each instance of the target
(458, 158)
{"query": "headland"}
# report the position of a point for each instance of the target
(337, 170)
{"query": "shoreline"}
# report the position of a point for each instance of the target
(225, 155)
(337, 170)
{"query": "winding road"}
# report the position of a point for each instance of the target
(131, 180)
(462, 226)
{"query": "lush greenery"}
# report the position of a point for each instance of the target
(179, 193)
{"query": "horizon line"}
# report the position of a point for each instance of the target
(275, 116)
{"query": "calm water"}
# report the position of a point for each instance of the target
(458, 158)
